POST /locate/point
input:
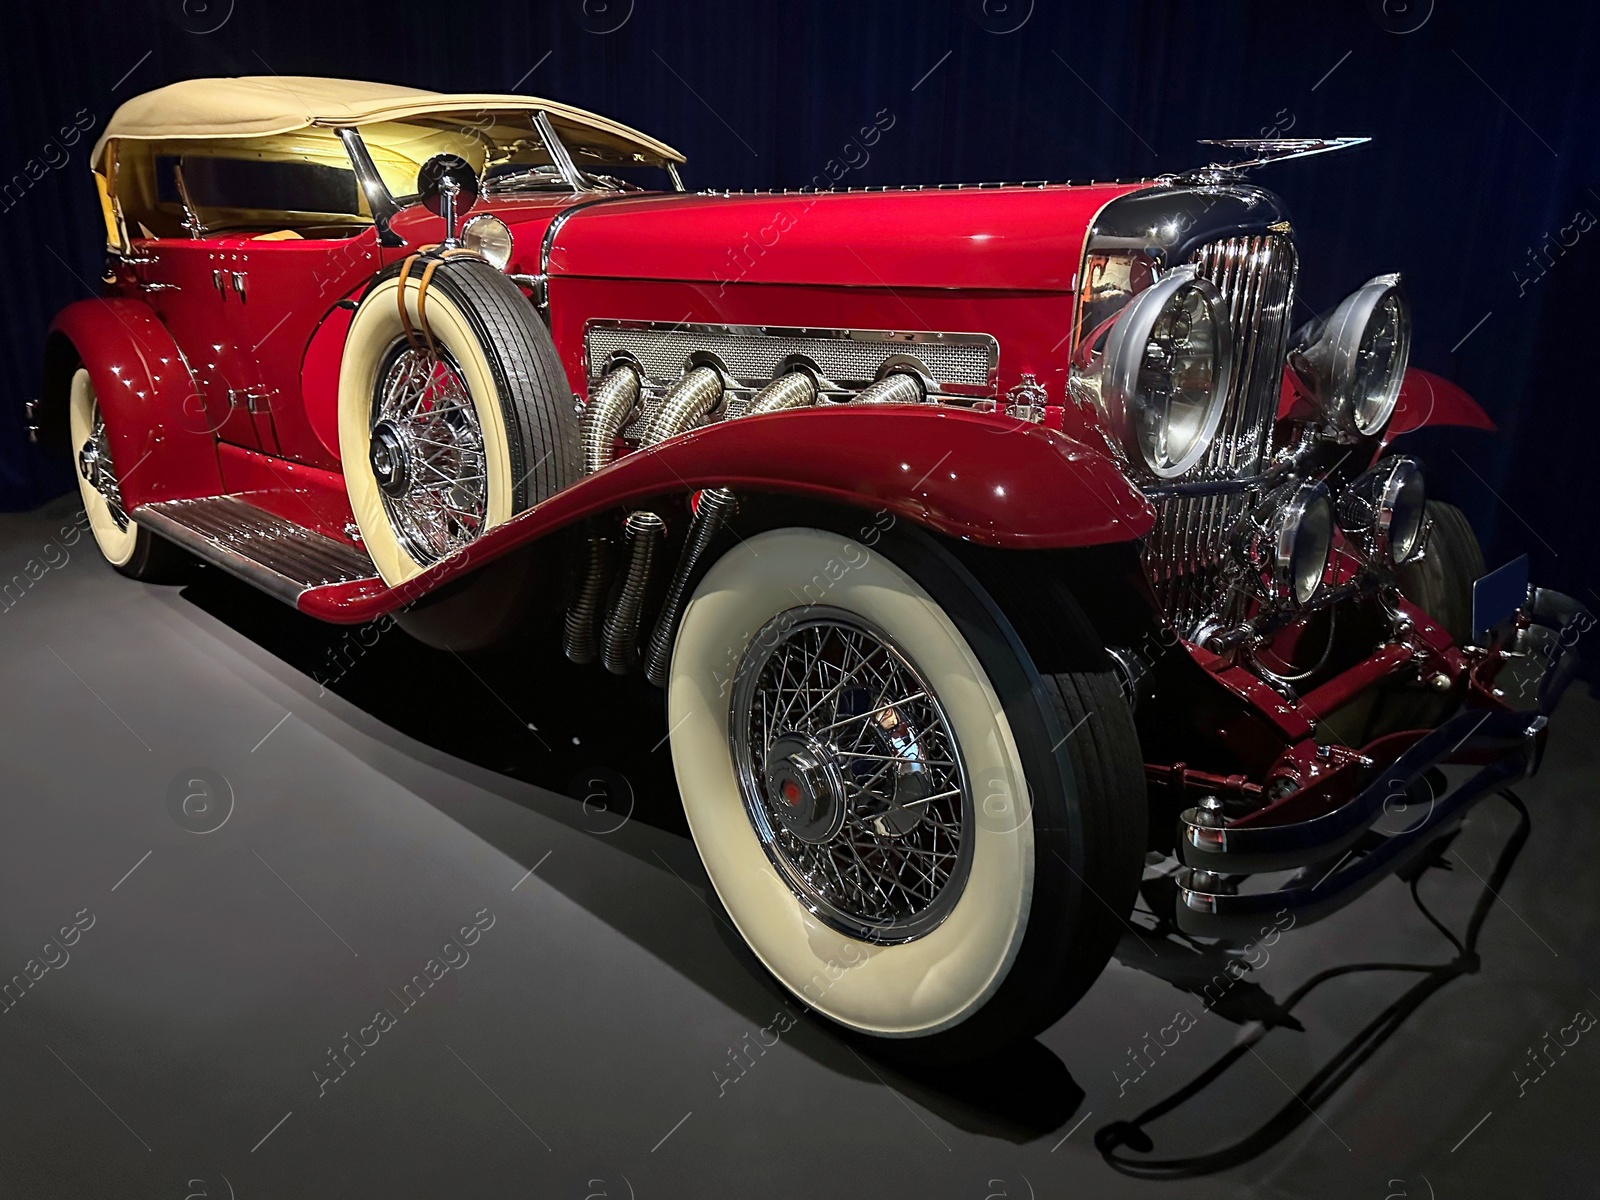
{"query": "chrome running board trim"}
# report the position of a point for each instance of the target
(279, 557)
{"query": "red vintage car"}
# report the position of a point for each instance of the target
(998, 548)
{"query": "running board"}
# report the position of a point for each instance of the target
(279, 557)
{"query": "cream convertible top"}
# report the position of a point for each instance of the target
(256, 105)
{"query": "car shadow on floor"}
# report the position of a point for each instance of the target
(523, 712)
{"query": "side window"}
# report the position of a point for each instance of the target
(257, 185)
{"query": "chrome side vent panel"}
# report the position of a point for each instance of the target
(961, 364)
(1183, 554)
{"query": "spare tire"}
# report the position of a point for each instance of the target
(454, 415)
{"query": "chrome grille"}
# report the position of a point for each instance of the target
(1183, 554)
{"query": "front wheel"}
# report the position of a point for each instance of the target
(918, 833)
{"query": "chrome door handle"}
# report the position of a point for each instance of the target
(218, 280)
(238, 283)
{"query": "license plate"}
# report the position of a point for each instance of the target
(1498, 595)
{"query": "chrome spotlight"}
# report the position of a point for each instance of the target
(1383, 510)
(1286, 540)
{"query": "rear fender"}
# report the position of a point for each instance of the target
(159, 430)
(966, 475)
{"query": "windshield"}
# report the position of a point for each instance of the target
(508, 152)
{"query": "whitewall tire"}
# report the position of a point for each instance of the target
(132, 550)
(889, 962)
(470, 427)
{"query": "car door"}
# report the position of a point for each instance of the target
(194, 286)
(292, 288)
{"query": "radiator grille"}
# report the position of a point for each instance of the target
(1183, 554)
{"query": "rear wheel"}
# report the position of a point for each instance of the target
(918, 834)
(135, 551)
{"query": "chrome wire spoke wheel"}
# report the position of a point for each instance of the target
(427, 453)
(851, 776)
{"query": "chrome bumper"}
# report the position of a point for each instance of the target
(1337, 855)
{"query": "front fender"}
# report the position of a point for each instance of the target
(160, 436)
(966, 475)
(1428, 401)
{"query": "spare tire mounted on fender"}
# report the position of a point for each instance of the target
(454, 412)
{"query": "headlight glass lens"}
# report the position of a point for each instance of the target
(1313, 538)
(488, 237)
(1178, 381)
(1353, 360)
(1406, 517)
(1299, 519)
(1380, 362)
(1168, 362)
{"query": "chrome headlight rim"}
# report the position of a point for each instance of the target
(1376, 511)
(1308, 513)
(1126, 345)
(487, 236)
(1331, 361)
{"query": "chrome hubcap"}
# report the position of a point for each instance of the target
(426, 453)
(851, 775)
(391, 458)
(94, 464)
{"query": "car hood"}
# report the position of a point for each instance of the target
(1006, 238)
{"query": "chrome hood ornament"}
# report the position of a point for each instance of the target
(1268, 150)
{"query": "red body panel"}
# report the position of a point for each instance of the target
(154, 414)
(1002, 239)
(961, 473)
(1427, 399)
(305, 495)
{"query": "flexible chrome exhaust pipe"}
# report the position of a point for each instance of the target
(900, 387)
(615, 400)
(797, 389)
(685, 405)
(620, 635)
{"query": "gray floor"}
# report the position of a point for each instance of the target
(582, 1039)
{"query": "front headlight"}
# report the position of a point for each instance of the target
(1353, 362)
(488, 237)
(1168, 363)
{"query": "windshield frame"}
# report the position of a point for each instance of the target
(384, 205)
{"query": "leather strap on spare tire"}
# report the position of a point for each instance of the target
(454, 305)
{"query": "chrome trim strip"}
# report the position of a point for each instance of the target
(541, 282)
(558, 152)
(379, 201)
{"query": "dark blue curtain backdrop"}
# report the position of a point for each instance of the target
(1482, 183)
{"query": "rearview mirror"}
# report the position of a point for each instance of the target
(448, 188)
